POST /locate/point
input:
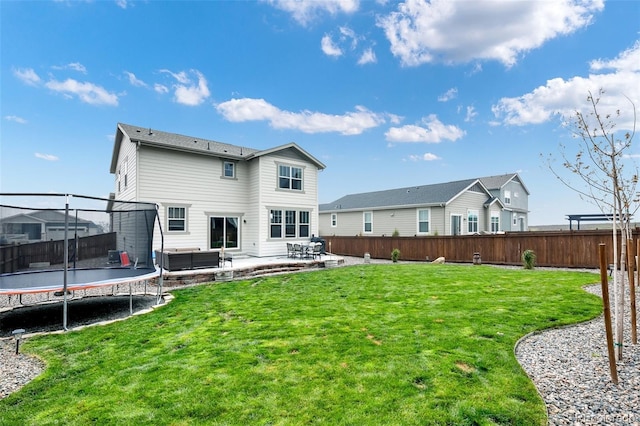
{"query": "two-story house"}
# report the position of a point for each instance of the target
(490, 204)
(213, 195)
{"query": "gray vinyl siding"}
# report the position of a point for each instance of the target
(128, 155)
(468, 200)
(271, 197)
(174, 178)
(385, 222)
(518, 206)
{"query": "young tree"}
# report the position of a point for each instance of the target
(600, 164)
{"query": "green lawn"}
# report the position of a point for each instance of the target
(395, 344)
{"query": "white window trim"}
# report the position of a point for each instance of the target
(186, 218)
(364, 222)
(428, 210)
(476, 213)
(507, 197)
(334, 220)
(497, 216)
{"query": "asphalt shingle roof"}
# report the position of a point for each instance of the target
(182, 142)
(434, 194)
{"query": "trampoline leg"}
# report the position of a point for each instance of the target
(130, 301)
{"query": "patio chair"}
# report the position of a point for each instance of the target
(297, 250)
(228, 257)
(317, 250)
(290, 251)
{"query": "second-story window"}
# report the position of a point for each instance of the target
(289, 177)
(229, 169)
(507, 197)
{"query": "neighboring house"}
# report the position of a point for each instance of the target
(514, 195)
(43, 225)
(468, 206)
(213, 195)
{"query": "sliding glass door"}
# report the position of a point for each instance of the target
(224, 232)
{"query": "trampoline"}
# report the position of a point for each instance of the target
(77, 279)
(57, 237)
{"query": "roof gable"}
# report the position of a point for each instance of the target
(499, 181)
(289, 147)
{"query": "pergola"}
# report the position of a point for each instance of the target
(597, 217)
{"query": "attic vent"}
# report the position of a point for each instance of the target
(138, 130)
(195, 141)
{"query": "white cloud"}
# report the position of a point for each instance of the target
(329, 47)
(186, 91)
(463, 31)
(448, 95)
(123, 4)
(87, 92)
(367, 57)
(27, 76)
(48, 157)
(15, 119)
(74, 66)
(564, 97)
(629, 60)
(351, 123)
(471, 114)
(424, 157)
(305, 11)
(431, 130)
(133, 80)
(160, 88)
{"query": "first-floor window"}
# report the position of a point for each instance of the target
(515, 219)
(495, 223)
(368, 221)
(296, 223)
(472, 219)
(290, 224)
(303, 224)
(423, 221)
(177, 218)
(275, 219)
(334, 220)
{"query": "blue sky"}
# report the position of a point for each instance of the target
(386, 94)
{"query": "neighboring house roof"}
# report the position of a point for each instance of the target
(499, 181)
(438, 194)
(166, 140)
(51, 217)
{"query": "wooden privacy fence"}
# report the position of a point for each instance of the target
(16, 257)
(567, 249)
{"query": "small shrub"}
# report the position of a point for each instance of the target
(395, 255)
(528, 259)
(395, 233)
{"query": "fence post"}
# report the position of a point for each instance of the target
(604, 282)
